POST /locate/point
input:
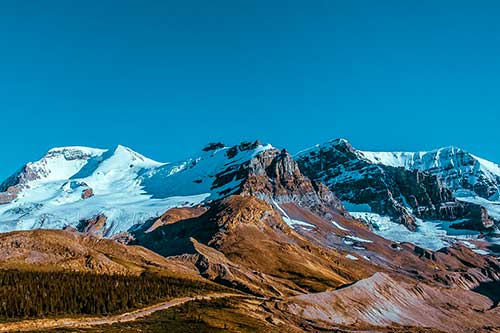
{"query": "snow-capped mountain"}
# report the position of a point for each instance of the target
(406, 186)
(457, 168)
(110, 191)
(70, 186)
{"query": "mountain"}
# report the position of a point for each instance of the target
(72, 185)
(405, 186)
(472, 179)
(457, 168)
(301, 239)
(63, 250)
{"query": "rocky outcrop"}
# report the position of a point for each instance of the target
(457, 168)
(9, 195)
(87, 193)
(93, 226)
(477, 218)
(273, 176)
(398, 192)
(41, 169)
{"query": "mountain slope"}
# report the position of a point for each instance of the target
(387, 189)
(249, 217)
(226, 242)
(459, 169)
(61, 250)
(384, 301)
(72, 185)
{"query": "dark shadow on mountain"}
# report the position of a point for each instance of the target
(92, 165)
(490, 290)
(174, 239)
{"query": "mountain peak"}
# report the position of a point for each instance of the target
(74, 152)
(339, 141)
(125, 153)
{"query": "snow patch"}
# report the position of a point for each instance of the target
(292, 222)
(358, 239)
(338, 226)
(428, 234)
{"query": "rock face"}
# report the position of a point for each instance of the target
(457, 168)
(93, 226)
(275, 177)
(383, 301)
(87, 193)
(476, 213)
(398, 192)
(9, 194)
(58, 163)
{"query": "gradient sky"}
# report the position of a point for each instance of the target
(165, 77)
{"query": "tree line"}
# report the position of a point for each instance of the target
(26, 294)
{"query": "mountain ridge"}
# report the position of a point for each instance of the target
(252, 218)
(94, 182)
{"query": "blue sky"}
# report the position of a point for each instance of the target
(165, 77)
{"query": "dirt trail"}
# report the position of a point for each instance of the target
(42, 324)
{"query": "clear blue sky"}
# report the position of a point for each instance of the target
(165, 77)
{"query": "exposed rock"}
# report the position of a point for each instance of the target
(242, 234)
(457, 168)
(423, 253)
(273, 176)
(39, 170)
(87, 193)
(477, 219)
(9, 195)
(382, 301)
(93, 226)
(394, 191)
(213, 146)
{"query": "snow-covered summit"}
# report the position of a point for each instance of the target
(71, 184)
(76, 151)
(459, 169)
(202, 173)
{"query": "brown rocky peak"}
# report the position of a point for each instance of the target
(93, 226)
(273, 175)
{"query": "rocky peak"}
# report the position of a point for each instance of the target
(213, 146)
(457, 168)
(389, 189)
(244, 146)
(274, 176)
(73, 153)
(57, 163)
